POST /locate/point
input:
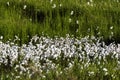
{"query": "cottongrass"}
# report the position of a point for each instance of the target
(44, 54)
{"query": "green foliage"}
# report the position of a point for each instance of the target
(55, 18)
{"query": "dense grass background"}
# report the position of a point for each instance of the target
(100, 18)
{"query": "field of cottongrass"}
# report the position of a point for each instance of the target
(59, 40)
(60, 59)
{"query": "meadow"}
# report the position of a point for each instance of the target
(59, 40)
(78, 18)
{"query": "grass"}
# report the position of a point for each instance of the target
(39, 17)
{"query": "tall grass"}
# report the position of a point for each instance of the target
(78, 18)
